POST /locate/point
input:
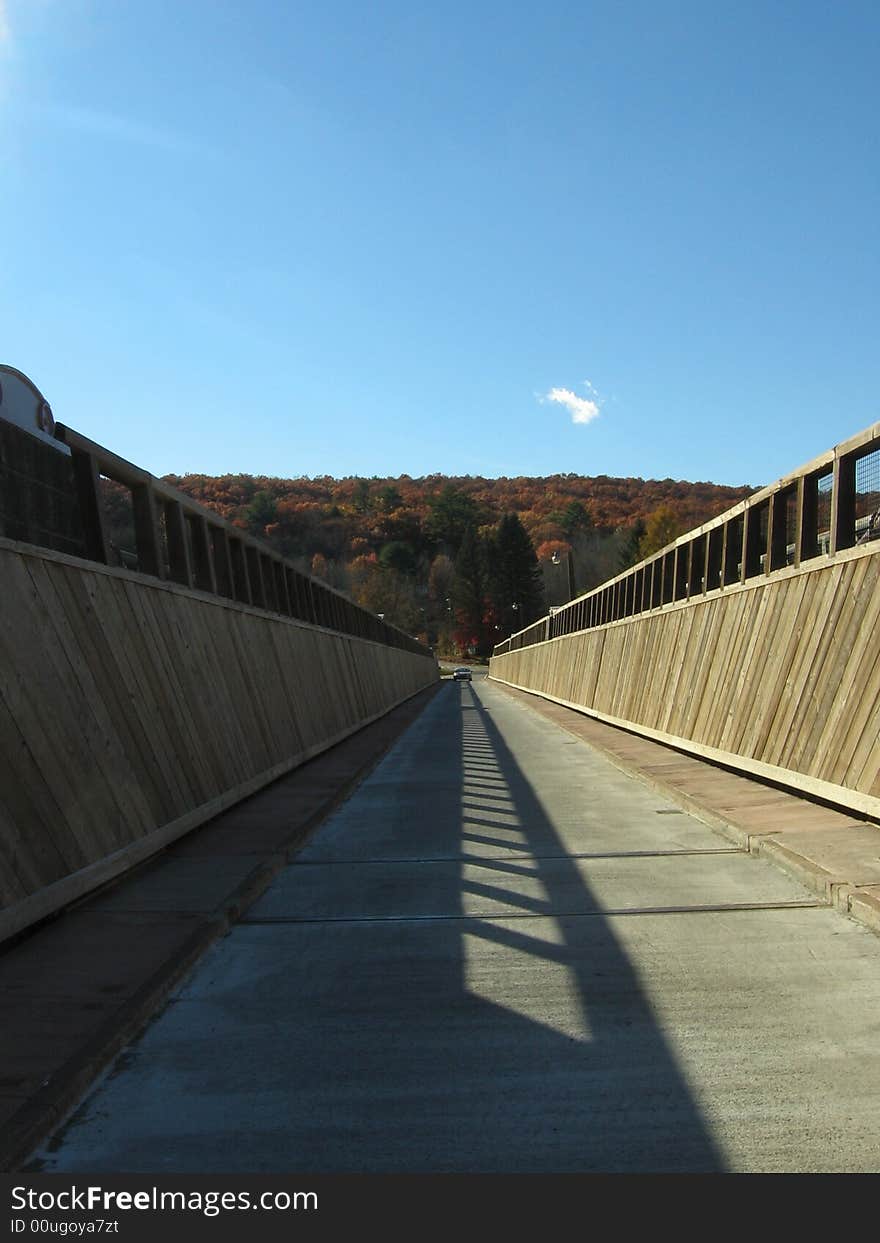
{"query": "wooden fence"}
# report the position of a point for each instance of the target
(176, 539)
(145, 689)
(133, 709)
(752, 641)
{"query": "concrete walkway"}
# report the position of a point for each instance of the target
(504, 954)
(834, 853)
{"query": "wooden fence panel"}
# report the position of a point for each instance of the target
(133, 709)
(779, 676)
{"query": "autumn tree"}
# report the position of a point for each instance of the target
(661, 528)
(383, 591)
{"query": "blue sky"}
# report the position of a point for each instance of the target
(383, 238)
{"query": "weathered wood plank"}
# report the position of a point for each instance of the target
(41, 693)
(109, 742)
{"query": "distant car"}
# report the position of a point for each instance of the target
(462, 675)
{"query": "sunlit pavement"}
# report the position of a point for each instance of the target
(503, 954)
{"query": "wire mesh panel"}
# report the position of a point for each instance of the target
(867, 499)
(823, 513)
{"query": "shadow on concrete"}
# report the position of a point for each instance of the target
(432, 987)
(610, 1097)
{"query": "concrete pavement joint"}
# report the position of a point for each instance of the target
(707, 908)
(522, 854)
(839, 890)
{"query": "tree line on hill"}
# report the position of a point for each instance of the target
(461, 563)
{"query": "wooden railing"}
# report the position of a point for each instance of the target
(184, 542)
(828, 505)
(145, 690)
(751, 641)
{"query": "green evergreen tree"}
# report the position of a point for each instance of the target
(389, 498)
(262, 511)
(469, 593)
(361, 496)
(574, 518)
(515, 577)
(629, 553)
(452, 514)
(398, 555)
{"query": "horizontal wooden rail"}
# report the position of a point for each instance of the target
(187, 543)
(823, 508)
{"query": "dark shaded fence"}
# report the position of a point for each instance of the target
(184, 542)
(38, 502)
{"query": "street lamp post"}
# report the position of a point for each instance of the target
(556, 559)
(514, 608)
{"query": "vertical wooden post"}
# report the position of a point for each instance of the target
(843, 503)
(714, 558)
(91, 506)
(240, 580)
(179, 561)
(222, 561)
(726, 542)
(777, 531)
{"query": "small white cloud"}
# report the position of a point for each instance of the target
(581, 409)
